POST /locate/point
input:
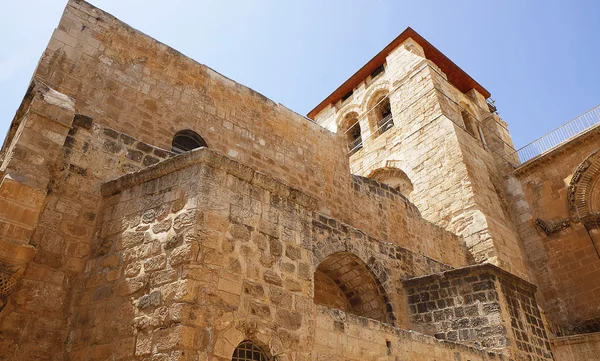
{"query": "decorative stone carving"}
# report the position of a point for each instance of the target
(552, 227)
(581, 187)
(7, 285)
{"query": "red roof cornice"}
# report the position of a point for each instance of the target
(456, 75)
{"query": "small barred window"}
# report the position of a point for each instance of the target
(248, 351)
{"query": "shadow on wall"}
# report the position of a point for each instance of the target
(344, 282)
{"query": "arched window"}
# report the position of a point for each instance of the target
(248, 351)
(351, 129)
(186, 140)
(343, 281)
(469, 123)
(380, 114)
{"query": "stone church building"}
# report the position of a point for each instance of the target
(154, 209)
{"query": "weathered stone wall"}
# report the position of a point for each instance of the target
(184, 258)
(492, 229)
(197, 253)
(560, 248)
(388, 215)
(480, 305)
(453, 174)
(35, 322)
(340, 336)
(30, 300)
(136, 85)
(577, 348)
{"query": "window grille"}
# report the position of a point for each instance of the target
(185, 141)
(248, 351)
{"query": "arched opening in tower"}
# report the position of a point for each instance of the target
(351, 129)
(380, 114)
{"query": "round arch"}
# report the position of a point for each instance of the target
(242, 331)
(393, 177)
(382, 86)
(343, 281)
(186, 140)
(343, 112)
(249, 351)
(351, 130)
(379, 112)
(584, 189)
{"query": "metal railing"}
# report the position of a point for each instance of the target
(560, 135)
(355, 145)
(385, 124)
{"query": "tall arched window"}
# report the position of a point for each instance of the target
(186, 140)
(248, 351)
(380, 115)
(351, 128)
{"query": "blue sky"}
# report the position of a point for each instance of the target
(539, 59)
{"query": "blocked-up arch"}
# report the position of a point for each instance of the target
(394, 178)
(344, 281)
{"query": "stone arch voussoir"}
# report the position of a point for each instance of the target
(268, 340)
(584, 181)
(347, 109)
(380, 86)
(364, 265)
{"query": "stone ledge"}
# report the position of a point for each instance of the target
(464, 271)
(323, 221)
(215, 160)
(575, 339)
(341, 316)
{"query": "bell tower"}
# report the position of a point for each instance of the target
(417, 122)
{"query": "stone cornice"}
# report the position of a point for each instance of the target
(465, 271)
(215, 160)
